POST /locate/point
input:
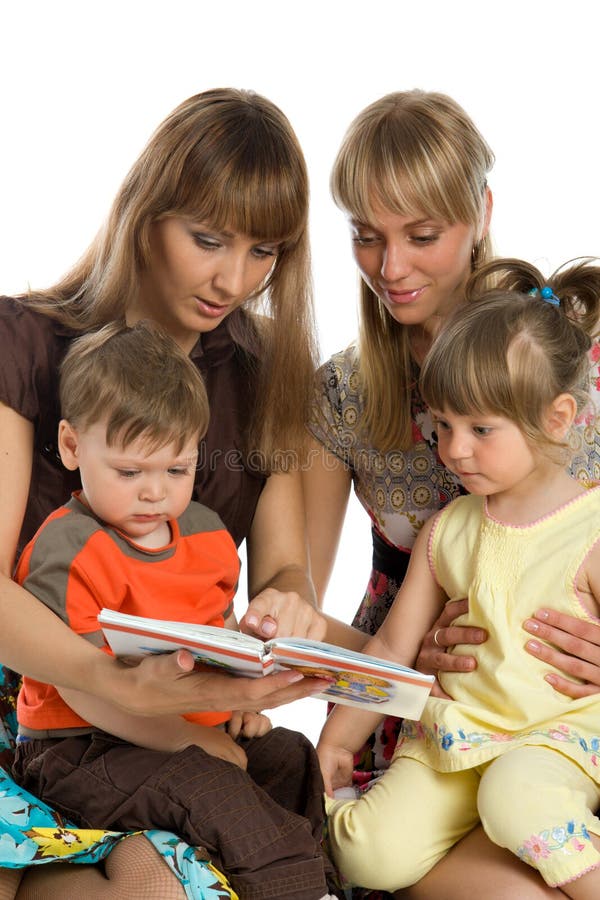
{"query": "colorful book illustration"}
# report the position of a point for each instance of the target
(355, 679)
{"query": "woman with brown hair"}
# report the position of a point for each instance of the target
(208, 238)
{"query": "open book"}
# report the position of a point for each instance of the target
(356, 679)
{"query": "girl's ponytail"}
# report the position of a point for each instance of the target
(576, 286)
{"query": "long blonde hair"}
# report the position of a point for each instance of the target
(229, 158)
(411, 152)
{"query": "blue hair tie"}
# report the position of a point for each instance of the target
(547, 294)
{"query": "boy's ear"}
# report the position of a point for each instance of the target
(68, 445)
(561, 415)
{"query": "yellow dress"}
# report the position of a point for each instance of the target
(507, 572)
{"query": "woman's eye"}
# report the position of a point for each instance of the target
(482, 430)
(424, 238)
(264, 252)
(205, 241)
(363, 240)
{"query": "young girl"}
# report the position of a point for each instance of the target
(505, 379)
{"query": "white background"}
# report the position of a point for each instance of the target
(83, 84)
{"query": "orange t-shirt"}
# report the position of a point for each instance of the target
(76, 565)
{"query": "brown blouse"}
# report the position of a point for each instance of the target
(32, 347)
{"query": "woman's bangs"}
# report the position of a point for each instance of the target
(243, 196)
(427, 186)
(420, 186)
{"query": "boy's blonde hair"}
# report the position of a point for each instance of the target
(413, 153)
(510, 352)
(139, 381)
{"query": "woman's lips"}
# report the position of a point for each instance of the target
(213, 310)
(401, 297)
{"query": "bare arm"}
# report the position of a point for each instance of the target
(326, 483)
(26, 623)
(166, 733)
(416, 605)
(281, 592)
(283, 597)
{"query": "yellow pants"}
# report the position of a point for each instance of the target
(532, 800)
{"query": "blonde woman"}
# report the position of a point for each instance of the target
(412, 178)
(209, 224)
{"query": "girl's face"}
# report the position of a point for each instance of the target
(197, 276)
(489, 453)
(416, 265)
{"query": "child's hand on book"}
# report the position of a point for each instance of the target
(248, 725)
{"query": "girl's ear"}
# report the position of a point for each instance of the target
(68, 445)
(560, 416)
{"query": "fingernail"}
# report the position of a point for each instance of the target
(295, 676)
(252, 620)
(268, 629)
(533, 645)
(551, 679)
(531, 625)
(542, 614)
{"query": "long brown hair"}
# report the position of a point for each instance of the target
(411, 152)
(229, 158)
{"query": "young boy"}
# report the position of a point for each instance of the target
(134, 410)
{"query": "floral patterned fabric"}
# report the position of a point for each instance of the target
(399, 490)
(32, 834)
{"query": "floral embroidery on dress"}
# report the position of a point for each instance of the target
(566, 838)
(461, 740)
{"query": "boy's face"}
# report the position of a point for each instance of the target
(129, 487)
